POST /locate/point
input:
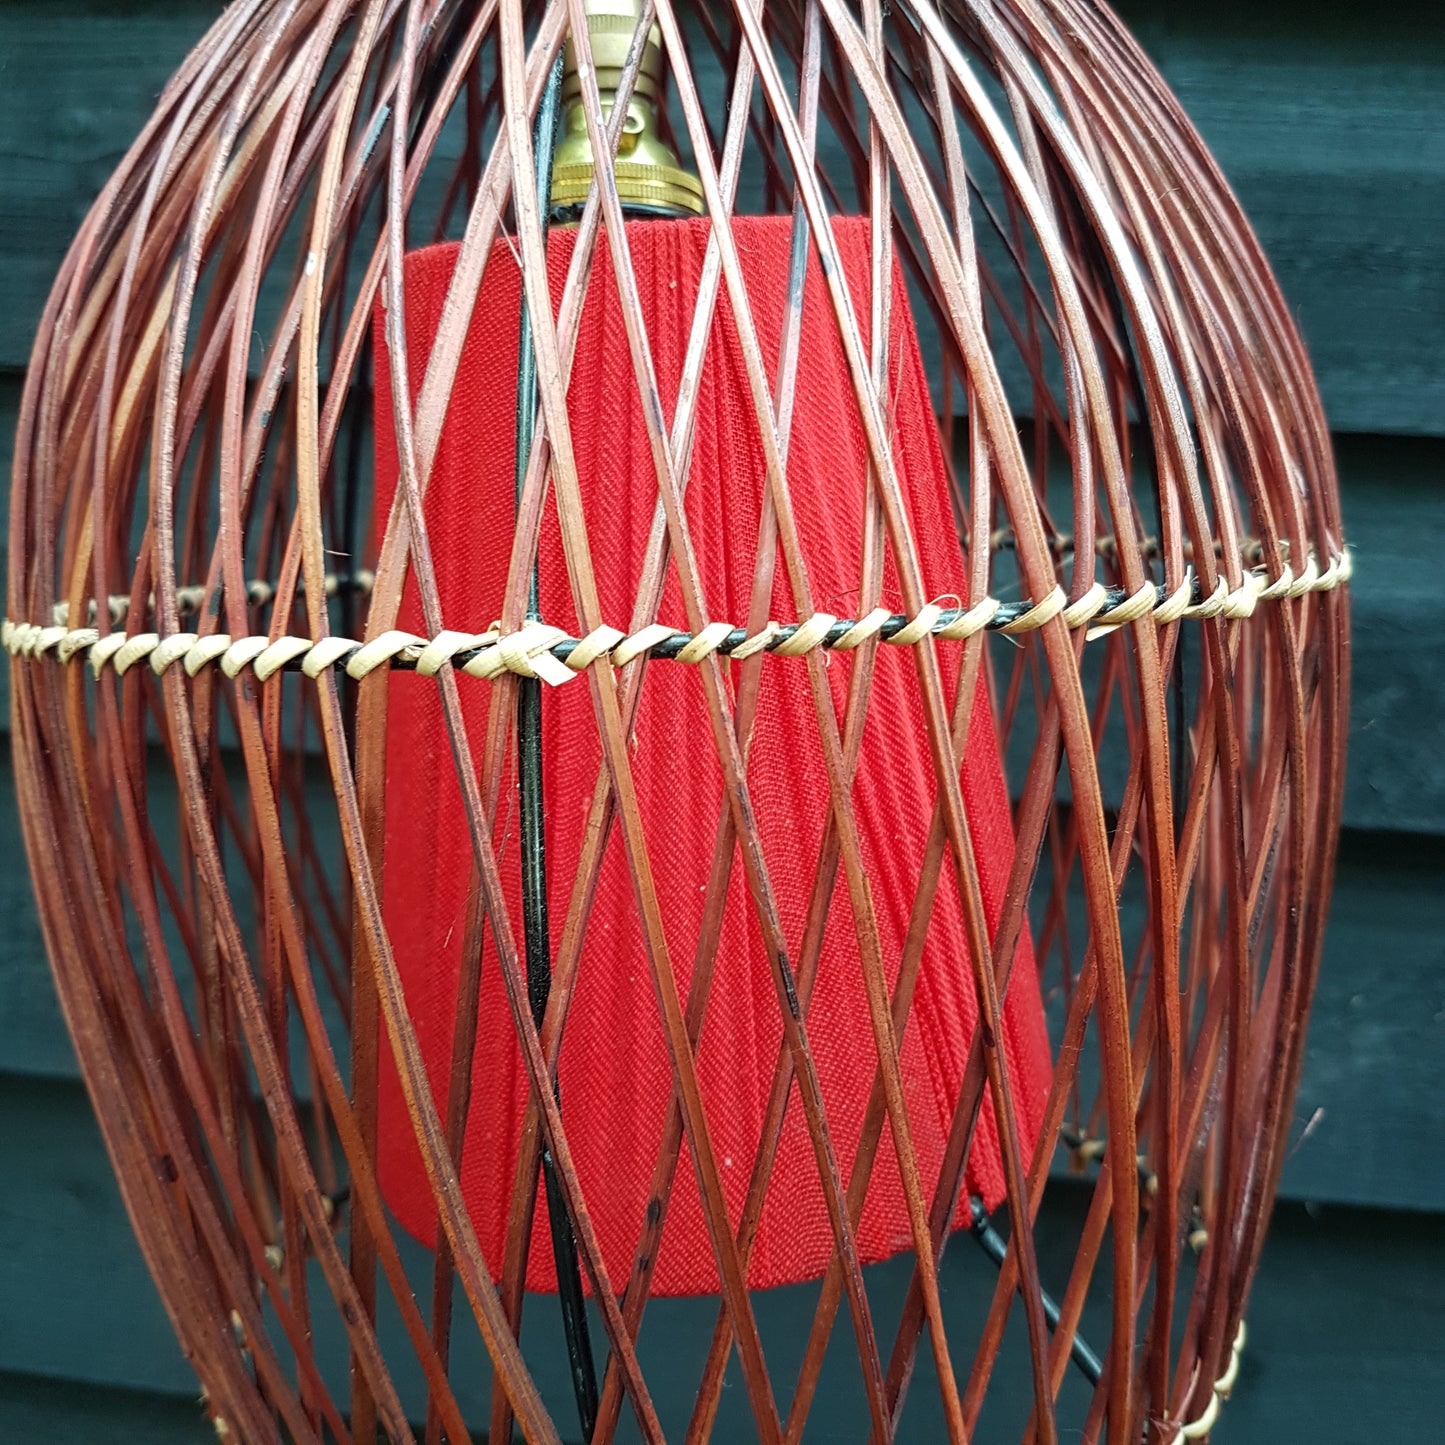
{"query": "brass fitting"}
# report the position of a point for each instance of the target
(649, 175)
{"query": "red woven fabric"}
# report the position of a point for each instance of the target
(614, 1073)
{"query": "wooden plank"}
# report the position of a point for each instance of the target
(81, 80)
(36, 1411)
(1391, 488)
(1370, 1109)
(33, 1039)
(76, 1305)
(1346, 1319)
(76, 1302)
(1301, 1376)
(75, 1298)
(1392, 499)
(1373, 1064)
(1325, 118)
(1370, 1093)
(1370, 1112)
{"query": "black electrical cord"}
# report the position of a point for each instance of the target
(532, 821)
(995, 1247)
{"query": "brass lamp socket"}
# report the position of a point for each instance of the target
(649, 175)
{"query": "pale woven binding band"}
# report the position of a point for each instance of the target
(1198, 1429)
(550, 654)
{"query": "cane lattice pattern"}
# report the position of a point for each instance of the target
(1113, 365)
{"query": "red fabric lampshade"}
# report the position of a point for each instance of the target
(614, 1076)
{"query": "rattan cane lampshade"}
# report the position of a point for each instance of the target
(929, 810)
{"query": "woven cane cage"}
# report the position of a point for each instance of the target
(1104, 744)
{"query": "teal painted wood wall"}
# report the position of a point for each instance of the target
(1329, 119)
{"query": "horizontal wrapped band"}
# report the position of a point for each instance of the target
(555, 657)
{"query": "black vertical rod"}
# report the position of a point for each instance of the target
(536, 928)
(995, 1247)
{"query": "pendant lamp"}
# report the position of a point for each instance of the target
(691, 659)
